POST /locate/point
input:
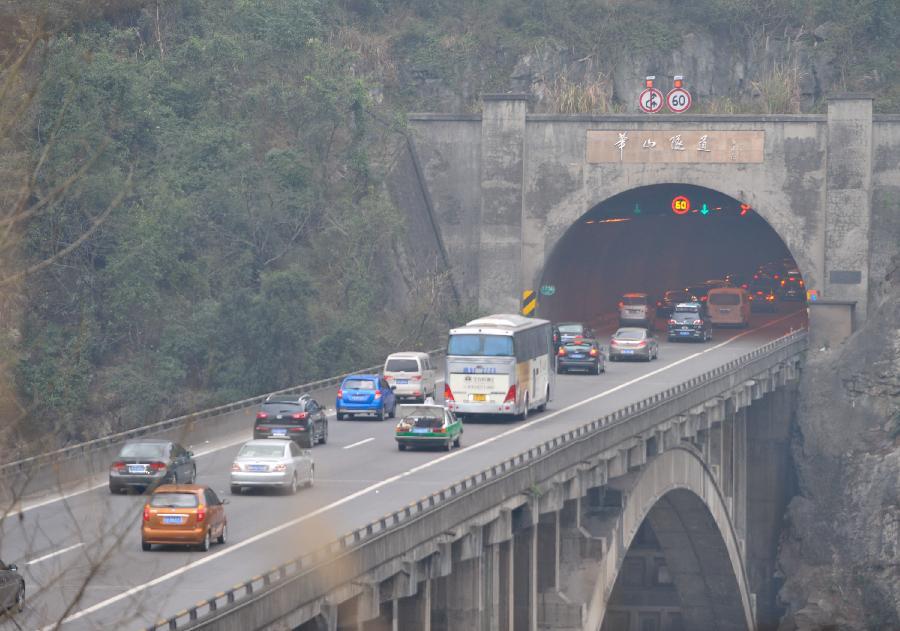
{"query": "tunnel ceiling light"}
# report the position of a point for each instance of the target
(614, 220)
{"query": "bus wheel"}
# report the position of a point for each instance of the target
(543, 406)
(524, 415)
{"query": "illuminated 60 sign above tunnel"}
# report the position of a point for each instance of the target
(681, 205)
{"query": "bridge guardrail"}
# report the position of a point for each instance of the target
(193, 617)
(87, 447)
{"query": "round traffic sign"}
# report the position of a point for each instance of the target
(681, 205)
(650, 100)
(678, 100)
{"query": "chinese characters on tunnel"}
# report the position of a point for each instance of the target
(667, 146)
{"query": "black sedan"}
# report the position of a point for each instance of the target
(763, 295)
(582, 355)
(12, 588)
(299, 418)
(689, 322)
(148, 462)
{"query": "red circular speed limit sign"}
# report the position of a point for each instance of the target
(681, 205)
(678, 100)
(650, 100)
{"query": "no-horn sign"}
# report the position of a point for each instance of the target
(650, 100)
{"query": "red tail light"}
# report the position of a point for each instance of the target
(801, 283)
(782, 282)
(378, 394)
(704, 298)
(417, 378)
(562, 351)
(157, 466)
(300, 416)
(756, 277)
(613, 342)
(262, 416)
(340, 393)
(448, 393)
(673, 321)
(621, 304)
(593, 352)
(698, 321)
(510, 394)
(280, 467)
(235, 467)
(641, 344)
(759, 293)
(658, 303)
(776, 277)
(439, 430)
(259, 428)
(118, 466)
(146, 512)
(201, 512)
(298, 429)
(744, 286)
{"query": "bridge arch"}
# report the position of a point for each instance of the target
(678, 494)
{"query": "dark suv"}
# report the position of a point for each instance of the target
(792, 286)
(689, 322)
(299, 418)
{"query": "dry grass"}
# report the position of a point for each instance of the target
(592, 96)
(779, 89)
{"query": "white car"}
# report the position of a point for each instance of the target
(411, 375)
(269, 462)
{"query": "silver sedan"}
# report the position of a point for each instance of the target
(271, 462)
(633, 343)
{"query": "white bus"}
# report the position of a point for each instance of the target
(500, 364)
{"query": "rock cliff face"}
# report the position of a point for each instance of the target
(840, 555)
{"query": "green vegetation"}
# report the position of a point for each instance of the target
(231, 143)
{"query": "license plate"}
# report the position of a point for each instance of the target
(684, 332)
(577, 355)
(479, 397)
(257, 467)
(137, 468)
(279, 432)
(173, 519)
(724, 310)
(360, 397)
(421, 430)
(403, 381)
(628, 351)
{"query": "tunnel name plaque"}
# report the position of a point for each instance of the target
(675, 146)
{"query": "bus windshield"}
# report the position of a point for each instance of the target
(476, 345)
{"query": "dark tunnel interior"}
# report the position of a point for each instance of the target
(652, 239)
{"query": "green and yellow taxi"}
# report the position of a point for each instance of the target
(427, 425)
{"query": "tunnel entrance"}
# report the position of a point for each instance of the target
(658, 238)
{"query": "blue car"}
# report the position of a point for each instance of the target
(365, 394)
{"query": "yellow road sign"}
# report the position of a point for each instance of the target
(529, 302)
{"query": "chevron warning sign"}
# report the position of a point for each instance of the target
(529, 302)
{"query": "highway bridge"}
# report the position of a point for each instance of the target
(651, 492)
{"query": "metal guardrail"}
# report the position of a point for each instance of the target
(82, 449)
(187, 618)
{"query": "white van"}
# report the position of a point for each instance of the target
(411, 375)
(728, 306)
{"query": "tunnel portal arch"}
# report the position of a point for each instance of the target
(635, 241)
(678, 494)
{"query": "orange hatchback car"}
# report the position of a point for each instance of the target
(183, 514)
